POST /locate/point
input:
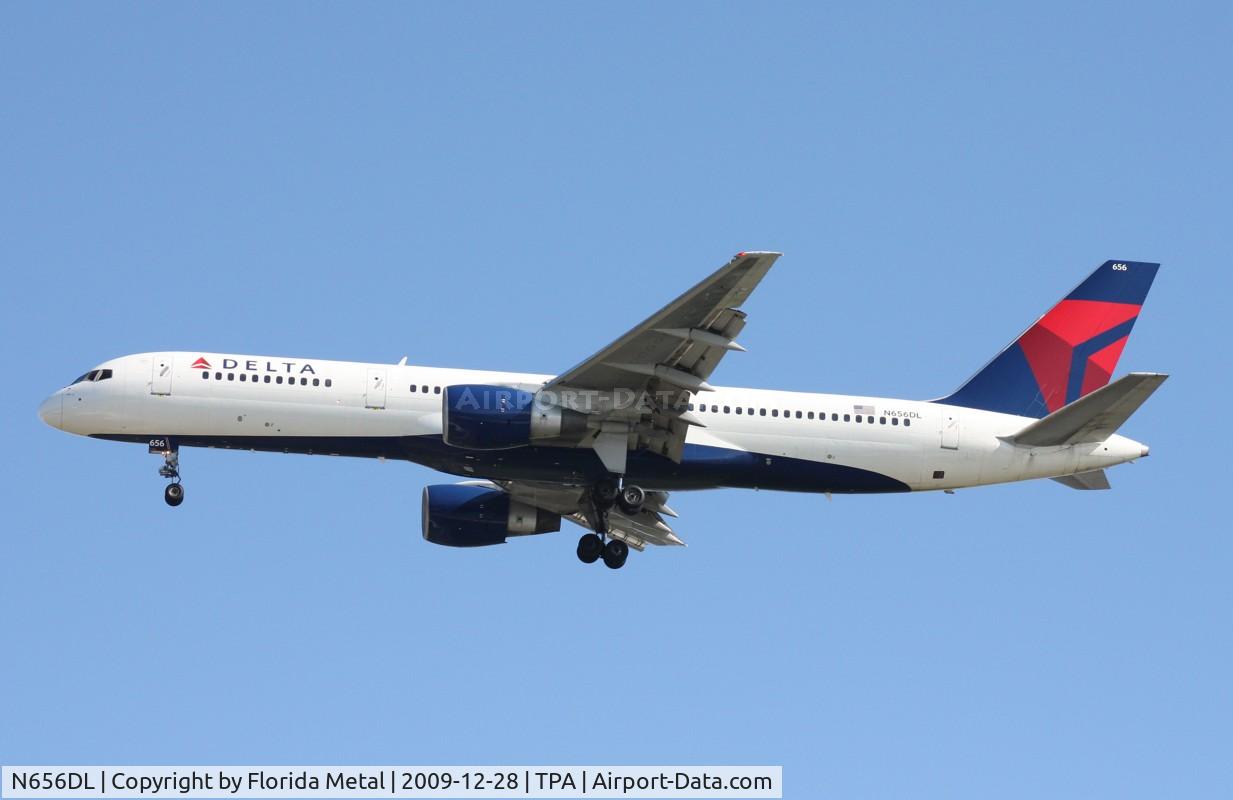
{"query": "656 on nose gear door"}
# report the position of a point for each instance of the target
(160, 373)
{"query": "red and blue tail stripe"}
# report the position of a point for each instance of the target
(1070, 351)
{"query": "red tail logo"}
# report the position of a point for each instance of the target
(201, 363)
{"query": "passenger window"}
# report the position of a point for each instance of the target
(329, 382)
(848, 418)
(218, 376)
(835, 418)
(267, 378)
(869, 419)
(762, 412)
(906, 422)
(727, 409)
(231, 376)
(881, 420)
(243, 377)
(316, 381)
(303, 381)
(859, 418)
(774, 412)
(798, 415)
(413, 388)
(279, 379)
(738, 409)
(424, 389)
(205, 375)
(810, 415)
(436, 390)
(894, 420)
(689, 406)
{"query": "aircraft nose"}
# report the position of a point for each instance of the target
(1145, 451)
(52, 410)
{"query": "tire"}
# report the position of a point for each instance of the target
(631, 500)
(590, 548)
(605, 493)
(174, 494)
(615, 553)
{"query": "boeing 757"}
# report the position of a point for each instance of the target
(602, 443)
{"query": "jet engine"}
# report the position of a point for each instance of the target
(471, 515)
(481, 417)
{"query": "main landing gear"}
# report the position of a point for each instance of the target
(174, 493)
(591, 548)
(604, 496)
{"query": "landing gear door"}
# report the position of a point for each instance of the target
(160, 373)
(374, 394)
(950, 429)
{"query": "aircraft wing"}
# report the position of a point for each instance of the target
(639, 385)
(573, 503)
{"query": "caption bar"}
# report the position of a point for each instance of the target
(396, 782)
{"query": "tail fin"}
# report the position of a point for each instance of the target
(1069, 352)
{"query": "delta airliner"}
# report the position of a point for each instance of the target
(603, 443)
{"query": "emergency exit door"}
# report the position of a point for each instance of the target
(374, 396)
(160, 373)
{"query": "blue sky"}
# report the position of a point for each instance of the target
(511, 187)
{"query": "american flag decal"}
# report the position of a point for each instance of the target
(858, 409)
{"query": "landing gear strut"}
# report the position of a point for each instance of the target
(174, 493)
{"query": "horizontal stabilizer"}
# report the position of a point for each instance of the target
(1093, 417)
(1096, 479)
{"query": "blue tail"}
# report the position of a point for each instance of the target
(1070, 351)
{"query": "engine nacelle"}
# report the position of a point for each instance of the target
(481, 417)
(461, 515)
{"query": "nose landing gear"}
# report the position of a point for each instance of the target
(173, 495)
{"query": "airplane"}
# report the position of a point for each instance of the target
(603, 443)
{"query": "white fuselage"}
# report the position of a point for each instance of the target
(349, 408)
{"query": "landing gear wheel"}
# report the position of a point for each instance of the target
(631, 499)
(174, 494)
(590, 548)
(605, 493)
(615, 553)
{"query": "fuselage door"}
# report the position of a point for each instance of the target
(950, 429)
(374, 395)
(160, 373)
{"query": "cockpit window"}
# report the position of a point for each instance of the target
(93, 375)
